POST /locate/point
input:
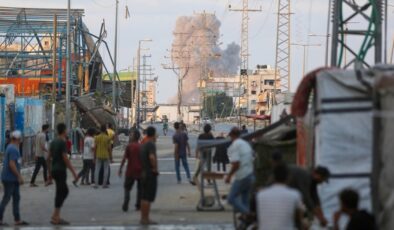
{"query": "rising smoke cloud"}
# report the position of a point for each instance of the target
(196, 45)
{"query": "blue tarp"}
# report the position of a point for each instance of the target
(29, 115)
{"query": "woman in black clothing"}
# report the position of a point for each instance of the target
(221, 156)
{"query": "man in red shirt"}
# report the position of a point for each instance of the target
(133, 171)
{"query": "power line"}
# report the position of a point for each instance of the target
(101, 5)
(265, 20)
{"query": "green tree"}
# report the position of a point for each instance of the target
(218, 105)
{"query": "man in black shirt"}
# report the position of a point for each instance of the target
(58, 170)
(204, 154)
(359, 219)
(149, 175)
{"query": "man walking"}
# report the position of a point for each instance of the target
(102, 156)
(241, 158)
(60, 163)
(133, 171)
(278, 206)
(41, 151)
(149, 175)
(181, 150)
(88, 148)
(12, 179)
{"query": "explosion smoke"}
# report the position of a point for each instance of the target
(195, 48)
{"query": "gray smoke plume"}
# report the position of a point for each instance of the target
(196, 45)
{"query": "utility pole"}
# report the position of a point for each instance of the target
(244, 79)
(282, 57)
(138, 107)
(180, 71)
(68, 69)
(144, 81)
(114, 99)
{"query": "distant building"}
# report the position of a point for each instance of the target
(260, 91)
(190, 113)
(256, 98)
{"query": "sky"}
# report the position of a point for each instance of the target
(155, 19)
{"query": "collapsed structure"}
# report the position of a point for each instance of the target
(33, 70)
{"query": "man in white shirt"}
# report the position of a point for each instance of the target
(279, 207)
(40, 151)
(88, 165)
(241, 158)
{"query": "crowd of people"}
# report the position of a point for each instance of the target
(288, 200)
(140, 156)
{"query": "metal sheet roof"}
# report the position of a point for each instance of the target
(35, 20)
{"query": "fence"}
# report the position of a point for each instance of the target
(26, 115)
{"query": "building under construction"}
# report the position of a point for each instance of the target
(33, 51)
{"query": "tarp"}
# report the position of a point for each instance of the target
(29, 115)
(344, 135)
(383, 146)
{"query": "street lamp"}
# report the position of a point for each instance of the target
(138, 78)
(304, 59)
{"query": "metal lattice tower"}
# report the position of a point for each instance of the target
(245, 37)
(244, 80)
(368, 14)
(282, 57)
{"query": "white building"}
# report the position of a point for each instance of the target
(190, 113)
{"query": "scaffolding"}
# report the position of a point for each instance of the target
(346, 38)
(33, 52)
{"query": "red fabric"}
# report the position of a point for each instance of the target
(68, 144)
(259, 117)
(134, 167)
(301, 97)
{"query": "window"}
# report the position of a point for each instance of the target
(253, 111)
(268, 82)
(253, 102)
(262, 112)
(46, 43)
(253, 92)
